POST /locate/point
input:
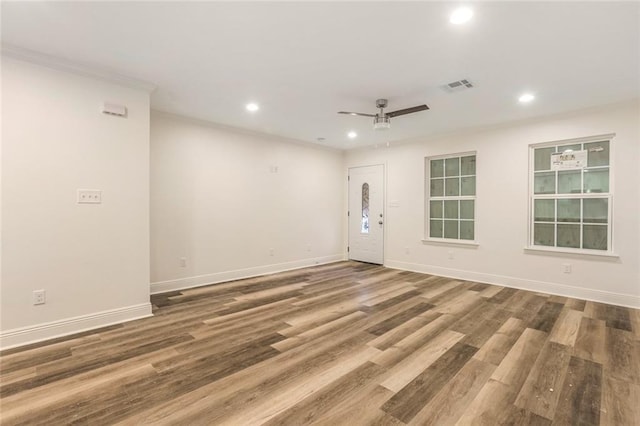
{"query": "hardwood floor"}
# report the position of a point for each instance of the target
(346, 343)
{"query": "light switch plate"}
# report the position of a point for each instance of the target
(89, 196)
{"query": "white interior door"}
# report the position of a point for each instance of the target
(366, 214)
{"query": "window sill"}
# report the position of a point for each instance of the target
(596, 253)
(437, 241)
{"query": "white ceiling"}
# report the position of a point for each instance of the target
(304, 61)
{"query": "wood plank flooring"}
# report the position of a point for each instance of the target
(340, 344)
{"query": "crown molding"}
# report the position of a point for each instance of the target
(85, 70)
(241, 130)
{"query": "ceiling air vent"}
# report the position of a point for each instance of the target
(458, 86)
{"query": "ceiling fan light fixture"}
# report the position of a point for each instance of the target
(381, 122)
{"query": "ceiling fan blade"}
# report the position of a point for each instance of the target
(407, 111)
(356, 113)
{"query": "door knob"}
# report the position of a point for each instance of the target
(379, 222)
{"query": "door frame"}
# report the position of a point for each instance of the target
(384, 207)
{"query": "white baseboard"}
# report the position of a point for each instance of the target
(50, 330)
(627, 300)
(237, 274)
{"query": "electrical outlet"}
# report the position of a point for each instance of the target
(39, 297)
(270, 252)
(183, 262)
(566, 268)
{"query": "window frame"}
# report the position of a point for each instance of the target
(428, 198)
(609, 196)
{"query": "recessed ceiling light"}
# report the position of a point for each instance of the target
(527, 97)
(352, 134)
(461, 15)
(252, 107)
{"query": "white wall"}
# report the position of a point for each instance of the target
(501, 212)
(92, 260)
(222, 199)
(218, 202)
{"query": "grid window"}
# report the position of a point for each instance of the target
(451, 185)
(570, 196)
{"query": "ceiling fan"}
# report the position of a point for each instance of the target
(382, 120)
